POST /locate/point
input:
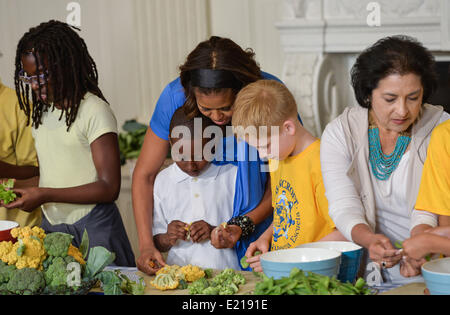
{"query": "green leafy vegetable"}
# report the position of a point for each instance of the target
(7, 195)
(84, 246)
(99, 258)
(308, 283)
(129, 286)
(111, 282)
(225, 283)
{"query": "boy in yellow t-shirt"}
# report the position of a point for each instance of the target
(434, 196)
(298, 194)
(17, 153)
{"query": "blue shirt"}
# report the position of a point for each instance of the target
(250, 180)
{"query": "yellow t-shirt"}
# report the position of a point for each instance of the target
(434, 193)
(298, 198)
(65, 157)
(16, 148)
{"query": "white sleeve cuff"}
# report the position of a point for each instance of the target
(423, 217)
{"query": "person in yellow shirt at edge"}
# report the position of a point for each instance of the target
(434, 197)
(298, 194)
(18, 158)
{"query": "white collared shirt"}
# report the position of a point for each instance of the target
(208, 197)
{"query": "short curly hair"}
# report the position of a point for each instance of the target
(393, 55)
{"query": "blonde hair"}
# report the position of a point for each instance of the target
(263, 103)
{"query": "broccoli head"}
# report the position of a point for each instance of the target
(26, 281)
(57, 244)
(57, 272)
(6, 272)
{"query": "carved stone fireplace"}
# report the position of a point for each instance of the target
(322, 38)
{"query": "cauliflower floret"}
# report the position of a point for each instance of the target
(165, 282)
(7, 254)
(33, 255)
(27, 231)
(192, 273)
(28, 252)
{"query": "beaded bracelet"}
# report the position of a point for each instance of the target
(245, 223)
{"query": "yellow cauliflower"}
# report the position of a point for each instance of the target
(5, 251)
(33, 255)
(165, 281)
(27, 252)
(192, 273)
(27, 231)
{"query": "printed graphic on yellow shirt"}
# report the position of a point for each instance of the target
(286, 221)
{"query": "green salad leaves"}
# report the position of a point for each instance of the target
(7, 195)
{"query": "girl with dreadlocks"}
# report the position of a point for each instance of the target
(75, 134)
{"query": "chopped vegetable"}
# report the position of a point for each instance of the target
(225, 283)
(165, 282)
(243, 261)
(192, 273)
(309, 283)
(7, 195)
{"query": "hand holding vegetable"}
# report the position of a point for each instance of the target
(200, 231)
(254, 251)
(225, 236)
(150, 261)
(29, 199)
(382, 252)
(176, 230)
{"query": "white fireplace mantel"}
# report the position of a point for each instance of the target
(321, 39)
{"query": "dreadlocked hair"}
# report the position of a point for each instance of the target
(69, 67)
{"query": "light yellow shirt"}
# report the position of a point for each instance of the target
(434, 193)
(298, 198)
(16, 148)
(65, 157)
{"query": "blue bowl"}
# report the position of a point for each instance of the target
(437, 276)
(350, 260)
(278, 264)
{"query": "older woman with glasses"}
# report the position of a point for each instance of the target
(372, 155)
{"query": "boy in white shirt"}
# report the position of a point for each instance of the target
(191, 198)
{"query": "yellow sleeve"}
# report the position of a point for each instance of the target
(434, 192)
(24, 145)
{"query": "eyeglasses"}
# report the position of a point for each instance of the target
(34, 79)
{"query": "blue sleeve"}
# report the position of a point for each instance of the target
(171, 98)
(268, 76)
(250, 186)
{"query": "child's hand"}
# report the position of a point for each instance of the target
(28, 199)
(176, 230)
(261, 245)
(225, 237)
(200, 231)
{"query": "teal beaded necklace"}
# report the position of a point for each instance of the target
(383, 165)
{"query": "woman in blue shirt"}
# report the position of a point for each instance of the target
(211, 77)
